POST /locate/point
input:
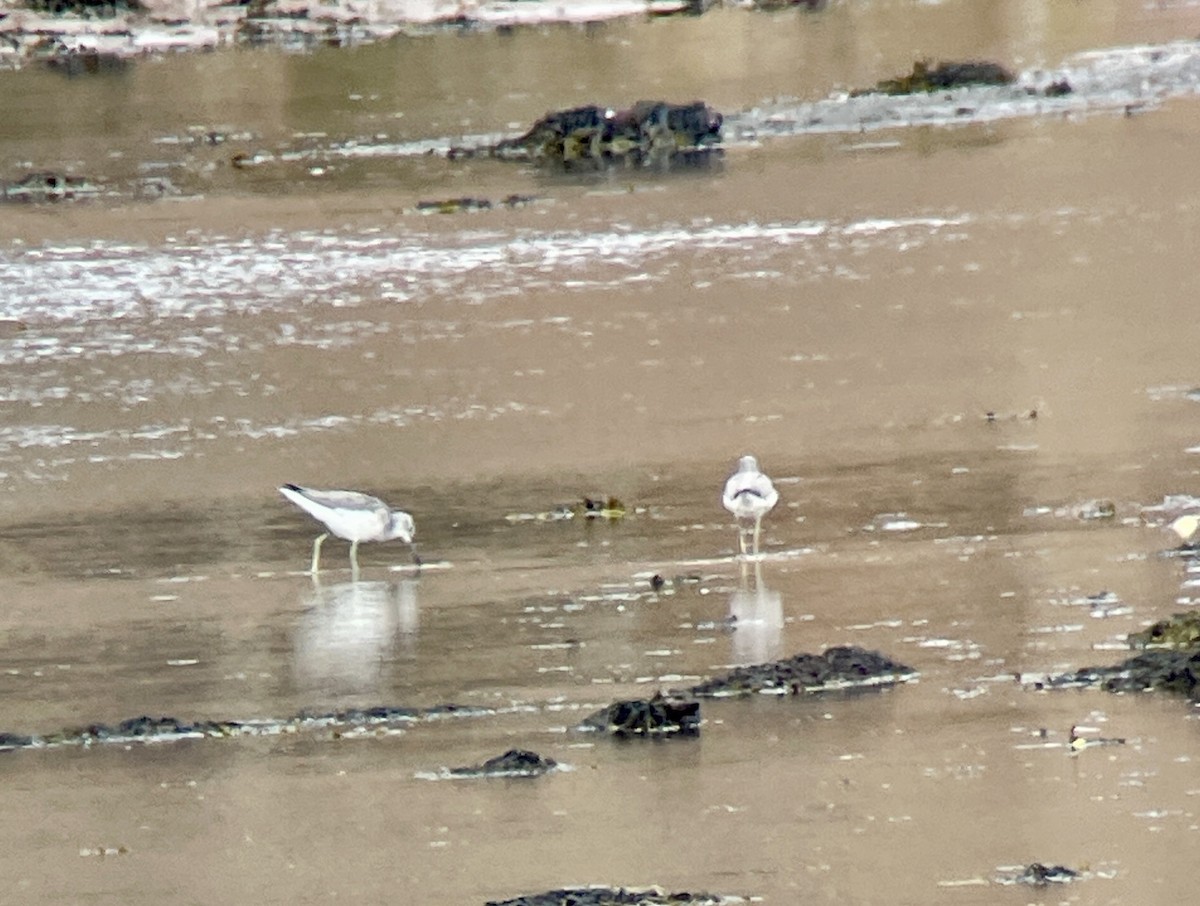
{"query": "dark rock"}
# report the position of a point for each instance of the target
(838, 668)
(513, 763)
(658, 716)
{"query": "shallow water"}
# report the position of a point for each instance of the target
(849, 309)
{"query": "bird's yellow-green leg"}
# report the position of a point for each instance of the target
(757, 531)
(354, 557)
(316, 560)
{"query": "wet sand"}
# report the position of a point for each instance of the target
(847, 309)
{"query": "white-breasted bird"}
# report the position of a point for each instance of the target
(353, 516)
(749, 494)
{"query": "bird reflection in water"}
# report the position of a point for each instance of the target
(756, 613)
(351, 631)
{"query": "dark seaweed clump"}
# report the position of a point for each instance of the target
(1170, 662)
(925, 78)
(1180, 631)
(172, 729)
(95, 8)
(513, 763)
(657, 716)
(650, 133)
(1164, 669)
(1038, 875)
(468, 204)
(614, 896)
(674, 714)
(838, 668)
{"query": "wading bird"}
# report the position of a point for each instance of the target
(749, 494)
(353, 516)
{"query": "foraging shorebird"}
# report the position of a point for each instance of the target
(353, 516)
(749, 494)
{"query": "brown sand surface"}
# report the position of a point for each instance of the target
(847, 308)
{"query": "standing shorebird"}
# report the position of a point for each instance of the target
(353, 516)
(749, 494)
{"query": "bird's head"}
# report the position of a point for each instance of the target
(401, 526)
(747, 464)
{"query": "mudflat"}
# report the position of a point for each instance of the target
(964, 355)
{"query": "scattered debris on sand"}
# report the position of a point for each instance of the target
(1087, 510)
(1077, 742)
(469, 205)
(43, 186)
(599, 507)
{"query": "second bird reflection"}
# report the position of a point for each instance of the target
(756, 613)
(351, 631)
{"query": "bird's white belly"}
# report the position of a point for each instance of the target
(354, 526)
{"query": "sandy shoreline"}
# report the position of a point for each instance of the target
(169, 26)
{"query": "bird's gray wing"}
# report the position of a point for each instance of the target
(343, 500)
